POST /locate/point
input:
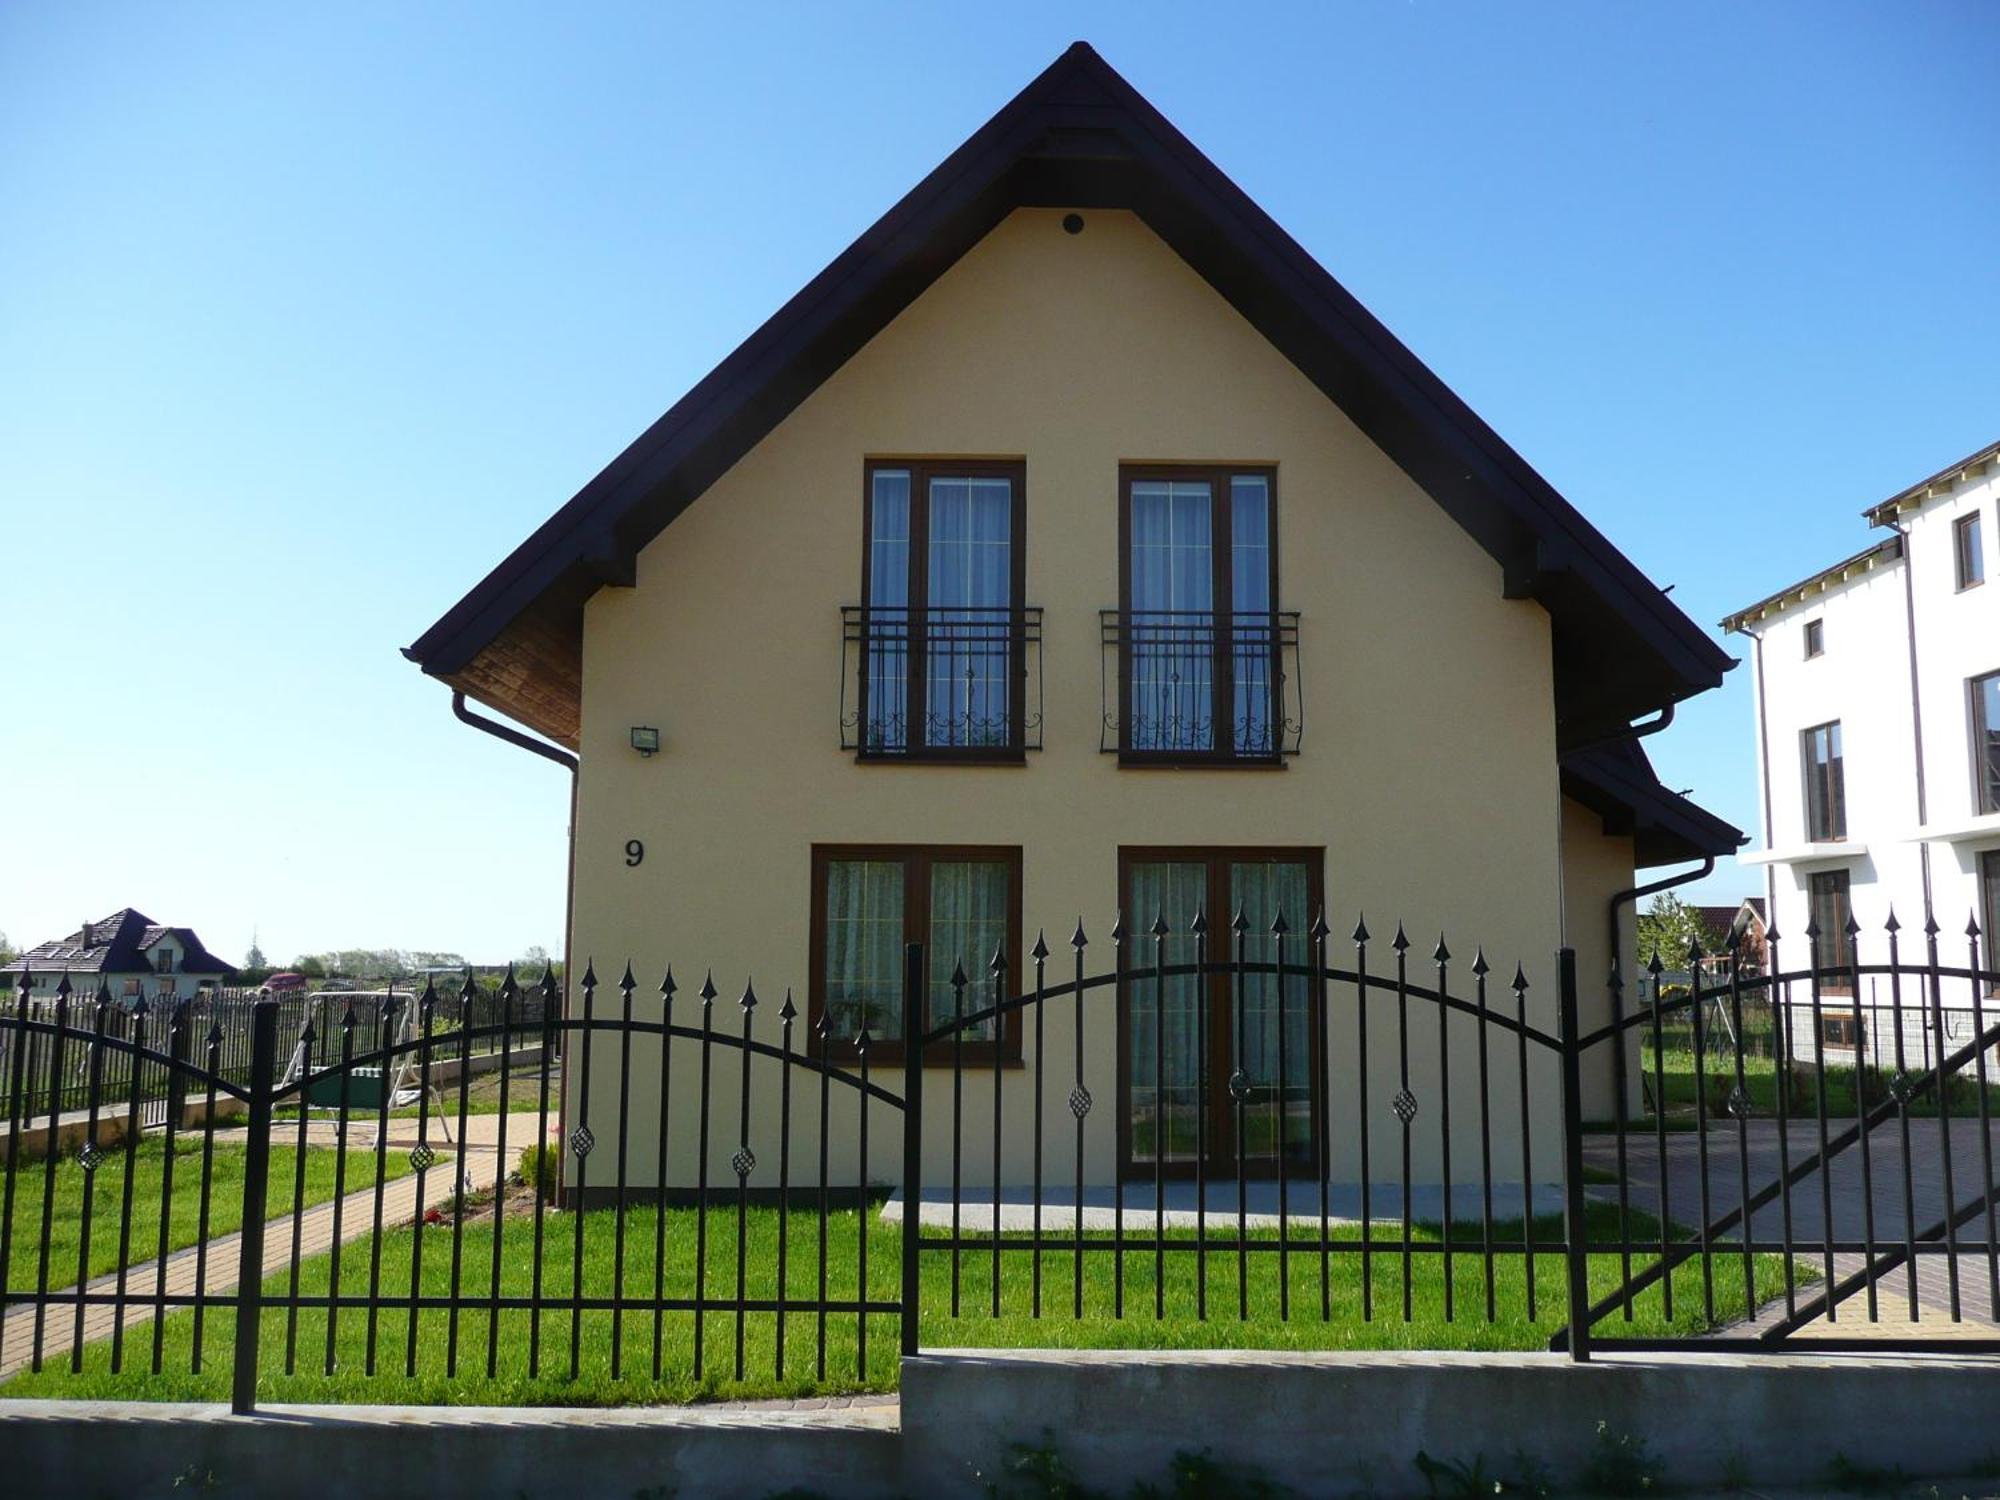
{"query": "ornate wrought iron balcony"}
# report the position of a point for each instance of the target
(940, 684)
(1192, 686)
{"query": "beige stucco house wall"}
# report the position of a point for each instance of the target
(1428, 772)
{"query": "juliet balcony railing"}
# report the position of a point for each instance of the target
(940, 684)
(1190, 686)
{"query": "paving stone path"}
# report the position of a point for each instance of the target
(1853, 1201)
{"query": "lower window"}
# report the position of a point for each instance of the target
(1185, 1038)
(963, 903)
(1831, 907)
(1840, 1029)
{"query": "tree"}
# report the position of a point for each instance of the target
(7, 953)
(255, 959)
(309, 965)
(1669, 926)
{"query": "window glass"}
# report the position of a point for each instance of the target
(864, 947)
(969, 900)
(1261, 890)
(1826, 787)
(1968, 537)
(887, 687)
(1989, 906)
(1830, 911)
(967, 639)
(1172, 631)
(1176, 891)
(871, 905)
(1986, 740)
(1815, 637)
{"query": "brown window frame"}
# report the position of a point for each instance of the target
(1815, 634)
(1137, 960)
(1985, 794)
(1832, 1020)
(1222, 548)
(1968, 542)
(1836, 773)
(917, 591)
(916, 860)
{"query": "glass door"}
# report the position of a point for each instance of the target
(1186, 1039)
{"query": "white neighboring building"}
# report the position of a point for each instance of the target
(1878, 738)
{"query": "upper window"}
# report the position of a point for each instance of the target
(1826, 786)
(1986, 741)
(1200, 670)
(1968, 548)
(1815, 637)
(164, 960)
(962, 903)
(943, 658)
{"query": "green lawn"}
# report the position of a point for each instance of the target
(106, 1188)
(595, 1383)
(1760, 1081)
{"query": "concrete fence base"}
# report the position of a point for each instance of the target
(1353, 1424)
(1349, 1426)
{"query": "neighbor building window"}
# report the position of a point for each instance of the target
(1968, 547)
(962, 903)
(1840, 1029)
(1986, 741)
(1831, 908)
(1989, 907)
(942, 658)
(1198, 614)
(1826, 787)
(1815, 637)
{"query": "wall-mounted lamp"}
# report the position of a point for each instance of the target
(645, 739)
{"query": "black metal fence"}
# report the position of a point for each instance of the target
(143, 1024)
(1271, 1130)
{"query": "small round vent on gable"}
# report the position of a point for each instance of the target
(1072, 223)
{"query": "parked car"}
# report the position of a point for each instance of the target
(283, 984)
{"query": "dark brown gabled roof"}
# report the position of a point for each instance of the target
(1079, 136)
(115, 945)
(1618, 783)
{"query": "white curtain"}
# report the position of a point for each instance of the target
(968, 926)
(1176, 892)
(971, 580)
(1260, 890)
(1172, 703)
(887, 725)
(864, 947)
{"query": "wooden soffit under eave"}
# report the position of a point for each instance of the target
(533, 672)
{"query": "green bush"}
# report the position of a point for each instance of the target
(538, 1168)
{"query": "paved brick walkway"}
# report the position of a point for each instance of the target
(1852, 1199)
(315, 1234)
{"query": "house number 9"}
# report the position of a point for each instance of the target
(635, 852)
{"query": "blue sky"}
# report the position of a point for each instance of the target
(307, 315)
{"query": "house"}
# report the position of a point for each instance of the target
(1738, 929)
(1075, 544)
(128, 953)
(1878, 744)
